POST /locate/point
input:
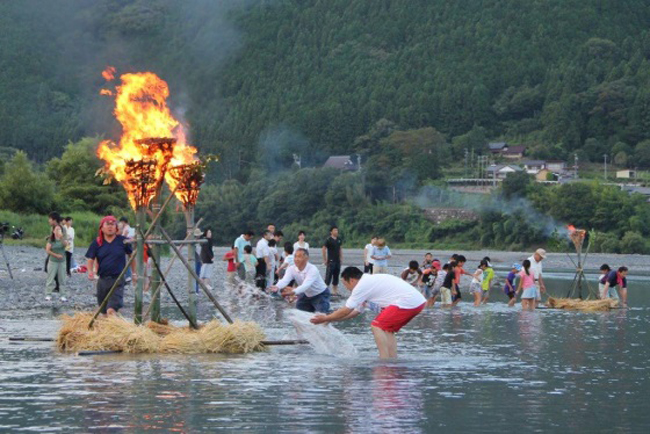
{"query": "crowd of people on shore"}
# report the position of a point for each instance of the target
(286, 272)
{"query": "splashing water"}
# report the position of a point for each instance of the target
(248, 303)
(324, 338)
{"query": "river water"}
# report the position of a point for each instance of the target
(487, 369)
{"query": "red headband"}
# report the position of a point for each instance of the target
(100, 235)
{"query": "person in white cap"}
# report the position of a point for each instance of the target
(536, 268)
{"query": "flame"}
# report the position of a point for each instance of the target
(109, 73)
(571, 228)
(141, 108)
(105, 92)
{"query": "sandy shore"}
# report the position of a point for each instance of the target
(27, 290)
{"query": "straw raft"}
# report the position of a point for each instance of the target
(115, 333)
(585, 305)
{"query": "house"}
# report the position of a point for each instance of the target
(497, 147)
(500, 171)
(542, 175)
(514, 152)
(556, 166)
(626, 174)
(341, 162)
(533, 167)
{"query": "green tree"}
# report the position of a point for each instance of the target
(78, 186)
(23, 190)
(516, 184)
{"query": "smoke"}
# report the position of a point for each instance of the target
(281, 148)
(436, 197)
(182, 41)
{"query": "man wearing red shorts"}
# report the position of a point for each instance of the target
(399, 303)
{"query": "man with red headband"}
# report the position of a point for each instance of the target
(110, 251)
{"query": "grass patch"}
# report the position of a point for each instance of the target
(37, 228)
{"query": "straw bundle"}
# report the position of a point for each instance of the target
(237, 338)
(584, 305)
(116, 333)
(183, 341)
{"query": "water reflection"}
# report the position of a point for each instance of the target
(466, 369)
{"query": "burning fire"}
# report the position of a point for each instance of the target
(149, 133)
(577, 236)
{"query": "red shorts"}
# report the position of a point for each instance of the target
(394, 318)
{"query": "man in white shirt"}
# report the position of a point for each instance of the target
(536, 268)
(313, 294)
(399, 301)
(368, 262)
(263, 255)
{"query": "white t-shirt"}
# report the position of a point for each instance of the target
(535, 267)
(262, 249)
(384, 290)
(368, 252)
(297, 246)
(309, 280)
(478, 279)
(70, 233)
(274, 253)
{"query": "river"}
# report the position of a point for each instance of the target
(485, 369)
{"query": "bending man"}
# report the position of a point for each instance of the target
(399, 303)
(313, 294)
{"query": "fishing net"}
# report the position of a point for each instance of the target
(116, 333)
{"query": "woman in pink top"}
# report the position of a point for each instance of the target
(527, 283)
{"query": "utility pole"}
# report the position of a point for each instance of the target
(358, 162)
(605, 156)
(466, 157)
(575, 166)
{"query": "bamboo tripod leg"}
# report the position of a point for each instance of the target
(167, 270)
(164, 282)
(193, 273)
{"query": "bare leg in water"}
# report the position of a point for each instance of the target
(386, 343)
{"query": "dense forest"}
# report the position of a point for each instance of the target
(406, 84)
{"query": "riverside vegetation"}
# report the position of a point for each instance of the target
(408, 85)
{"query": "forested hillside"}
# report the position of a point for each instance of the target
(406, 84)
(560, 75)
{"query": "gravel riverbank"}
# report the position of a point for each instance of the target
(27, 290)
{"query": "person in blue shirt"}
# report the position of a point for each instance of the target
(617, 278)
(107, 255)
(509, 288)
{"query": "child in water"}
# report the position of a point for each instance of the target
(509, 287)
(488, 275)
(527, 284)
(477, 282)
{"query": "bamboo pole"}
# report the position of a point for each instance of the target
(169, 267)
(164, 281)
(191, 281)
(154, 222)
(154, 285)
(141, 219)
(201, 284)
